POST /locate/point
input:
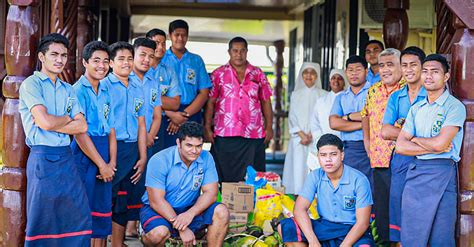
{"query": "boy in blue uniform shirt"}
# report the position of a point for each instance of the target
(56, 200)
(194, 81)
(433, 132)
(173, 203)
(169, 84)
(95, 152)
(344, 203)
(395, 114)
(345, 115)
(128, 102)
(143, 75)
(372, 50)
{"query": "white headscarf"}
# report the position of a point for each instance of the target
(299, 80)
(303, 100)
(341, 73)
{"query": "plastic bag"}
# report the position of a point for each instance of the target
(268, 205)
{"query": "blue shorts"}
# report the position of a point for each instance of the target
(150, 219)
(99, 193)
(329, 233)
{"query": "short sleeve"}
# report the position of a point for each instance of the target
(455, 116)
(265, 91)
(409, 125)
(76, 105)
(210, 172)
(337, 106)
(215, 78)
(157, 172)
(310, 187)
(81, 97)
(203, 78)
(31, 93)
(391, 112)
(174, 89)
(363, 193)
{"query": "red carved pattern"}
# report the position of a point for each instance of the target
(84, 29)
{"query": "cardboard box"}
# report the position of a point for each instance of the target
(280, 189)
(238, 219)
(238, 197)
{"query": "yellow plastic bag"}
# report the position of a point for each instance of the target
(268, 206)
(288, 205)
(312, 211)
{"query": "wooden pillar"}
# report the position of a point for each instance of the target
(395, 24)
(85, 31)
(279, 113)
(64, 21)
(462, 85)
(21, 39)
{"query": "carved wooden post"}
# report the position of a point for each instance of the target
(395, 24)
(22, 34)
(280, 47)
(84, 32)
(64, 21)
(462, 85)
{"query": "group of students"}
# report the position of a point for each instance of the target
(400, 127)
(134, 112)
(128, 105)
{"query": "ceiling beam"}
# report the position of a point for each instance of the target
(228, 11)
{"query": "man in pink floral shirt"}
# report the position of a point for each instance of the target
(240, 103)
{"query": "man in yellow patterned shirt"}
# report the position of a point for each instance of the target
(378, 149)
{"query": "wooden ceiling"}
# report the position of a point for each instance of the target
(238, 9)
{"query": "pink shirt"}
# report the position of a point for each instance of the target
(238, 110)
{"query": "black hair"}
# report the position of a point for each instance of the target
(238, 40)
(120, 45)
(356, 59)
(438, 58)
(178, 24)
(190, 129)
(374, 41)
(92, 47)
(416, 51)
(155, 31)
(145, 43)
(48, 39)
(330, 139)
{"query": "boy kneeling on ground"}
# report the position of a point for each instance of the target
(344, 203)
(173, 202)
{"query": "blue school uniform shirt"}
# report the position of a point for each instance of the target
(371, 78)
(97, 107)
(191, 73)
(168, 80)
(338, 204)
(166, 171)
(59, 99)
(127, 105)
(152, 93)
(426, 120)
(348, 102)
(399, 104)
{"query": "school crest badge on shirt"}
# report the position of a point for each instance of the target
(191, 76)
(69, 104)
(138, 103)
(349, 202)
(106, 111)
(436, 128)
(164, 89)
(153, 96)
(197, 179)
